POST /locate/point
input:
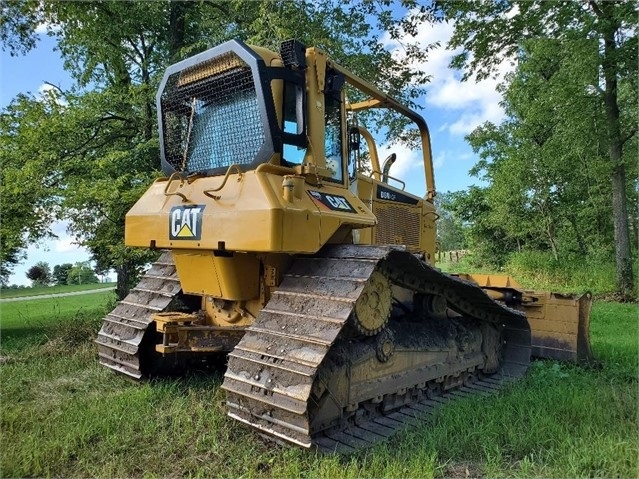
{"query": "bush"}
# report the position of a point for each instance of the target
(540, 270)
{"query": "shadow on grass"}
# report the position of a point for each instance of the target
(15, 338)
(197, 375)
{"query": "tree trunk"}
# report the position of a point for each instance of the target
(123, 272)
(623, 256)
(552, 242)
(615, 151)
(177, 29)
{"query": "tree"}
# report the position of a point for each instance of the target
(493, 32)
(488, 240)
(548, 184)
(99, 150)
(61, 273)
(451, 234)
(39, 274)
(28, 193)
(81, 273)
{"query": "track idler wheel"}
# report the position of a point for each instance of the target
(385, 346)
(373, 307)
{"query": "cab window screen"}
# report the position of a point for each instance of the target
(211, 116)
(333, 137)
(214, 147)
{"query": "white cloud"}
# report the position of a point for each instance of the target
(44, 28)
(45, 89)
(41, 28)
(439, 161)
(64, 243)
(475, 101)
(48, 91)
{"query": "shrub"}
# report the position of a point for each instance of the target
(540, 270)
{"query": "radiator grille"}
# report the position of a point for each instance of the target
(211, 116)
(397, 225)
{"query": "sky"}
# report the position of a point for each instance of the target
(452, 109)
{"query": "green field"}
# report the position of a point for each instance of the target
(42, 290)
(64, 415)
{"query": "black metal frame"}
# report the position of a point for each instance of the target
(261, 79)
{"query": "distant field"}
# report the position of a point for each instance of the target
(19, 293)
(64, 415)
(29, 321)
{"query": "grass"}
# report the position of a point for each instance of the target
(64, 415)
(26, 323)
(541, 271)
(42, 290)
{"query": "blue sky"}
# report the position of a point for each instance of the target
(451, 108)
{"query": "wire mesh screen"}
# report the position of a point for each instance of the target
(211, 116)
(397, 224)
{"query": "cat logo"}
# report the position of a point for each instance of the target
(186, 222)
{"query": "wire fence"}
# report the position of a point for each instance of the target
(450, 256)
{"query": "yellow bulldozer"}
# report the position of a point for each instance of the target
(315, 280)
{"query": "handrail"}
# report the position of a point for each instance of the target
(372, 149)
(277, 169)
(381, 100)
(226, 177)
(377, 173)
(174, 175)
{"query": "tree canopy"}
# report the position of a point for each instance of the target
(572, 108)
(40, 274)
(87, 154)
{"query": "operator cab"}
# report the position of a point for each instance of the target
(245, 106)
(239, 106)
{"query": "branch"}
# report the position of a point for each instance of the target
(624, 139)
(217, 6)
(57, 87)
(112, 116)
(596, 9)
(81, 147)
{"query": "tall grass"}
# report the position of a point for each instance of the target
(541, 271)
(62, 414)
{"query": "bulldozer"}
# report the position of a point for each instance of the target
(314, 280)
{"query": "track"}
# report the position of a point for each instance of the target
(120, 338)
(271, 380)
(364, 434)
(272, 375)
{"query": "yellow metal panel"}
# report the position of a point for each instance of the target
(428, 235)
(250, 213)
(234, 278)
(315, 73)
(494, 280)
(300, 227)
(197, 273)
(560, 326)
(363, 188)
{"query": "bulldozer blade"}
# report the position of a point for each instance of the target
(560, 325)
